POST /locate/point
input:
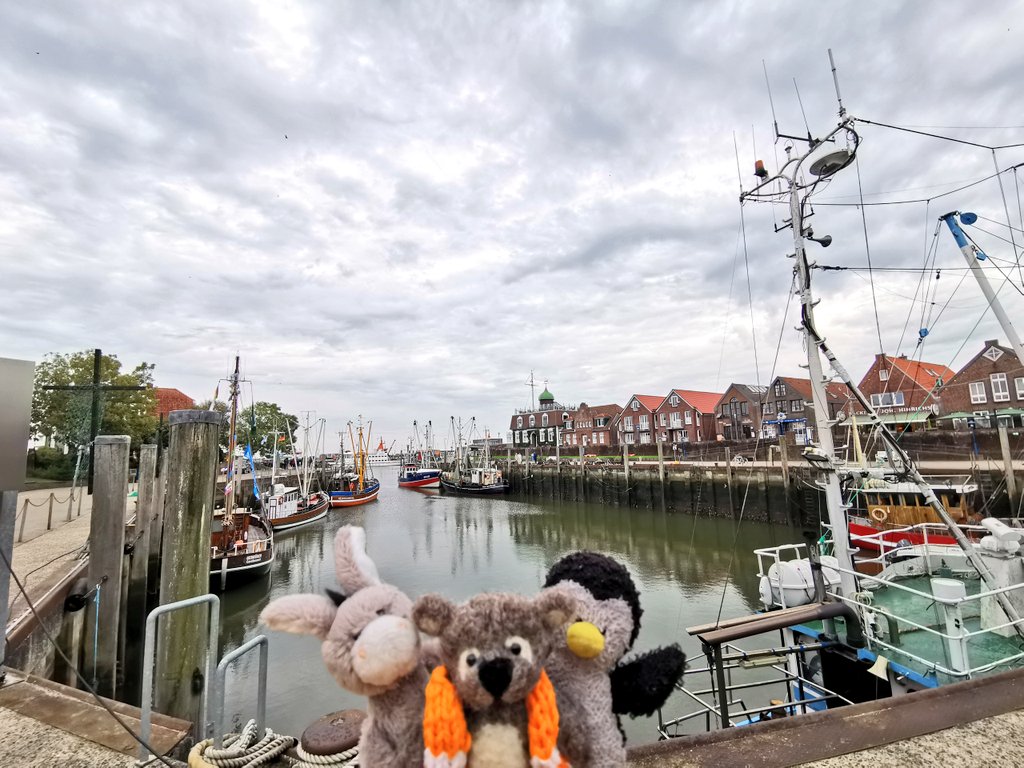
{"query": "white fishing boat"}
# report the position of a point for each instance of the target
(862, 615)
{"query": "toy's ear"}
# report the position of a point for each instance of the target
(555, 606)
(301, 615)
(642, 685)
(431, 614)
(353, 567)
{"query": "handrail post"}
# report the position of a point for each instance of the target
(217, 719)
(149, 659)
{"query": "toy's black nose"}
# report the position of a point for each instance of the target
(495, 675)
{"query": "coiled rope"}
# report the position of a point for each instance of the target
(242, 750)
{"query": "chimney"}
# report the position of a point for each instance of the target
(992, 343)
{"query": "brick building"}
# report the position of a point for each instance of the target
(787, 407)
(687, 416)
(905, 392)
(168, 400)
(635, 422)
(540, 426)
(591, 425)
(738, 411)
(990, 387)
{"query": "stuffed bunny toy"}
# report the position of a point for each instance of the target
(370, 646)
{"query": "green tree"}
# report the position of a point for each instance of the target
(66, 414)
(225, 410)
(258, 422)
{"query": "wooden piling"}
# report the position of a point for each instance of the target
(728, 480)
(185, 561)
(784, 460)
(1011, 481)
(106, 559)
(135, 614)
(156, 532)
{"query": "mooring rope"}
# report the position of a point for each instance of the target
(242, 750)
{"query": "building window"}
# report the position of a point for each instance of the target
(780, 389)
(519, 437)
(600, 436)
(887, 400)
(635, 405)
(978, 392)
(1018, 384)
(551, 435)
(981, 419)
(644, 425)
(533, 420)
(664, 419)
(883, 374)
(674, 400)
(745, 408)
(519, 422)
(544, 420)
(688, 417)
(796, 405)
(601, 422)
(676, 420)
(627, 423)
(765, 409)
(1000, 390)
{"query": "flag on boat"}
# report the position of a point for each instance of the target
(252, 468)
(228, 488)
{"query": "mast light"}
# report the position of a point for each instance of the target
(759, 169)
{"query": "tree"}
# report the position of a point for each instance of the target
(65, 415)
(255, 425)
(258, 423)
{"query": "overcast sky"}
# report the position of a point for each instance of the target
(401, 209)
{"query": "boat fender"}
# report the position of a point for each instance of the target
(879, 514)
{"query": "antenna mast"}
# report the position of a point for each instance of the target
(532, 384)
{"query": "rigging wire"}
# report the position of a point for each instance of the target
(867, 251)
(739, 519)
(1006, 209)
(938, 135)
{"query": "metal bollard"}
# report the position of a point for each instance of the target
(71, 503)
(49, 514)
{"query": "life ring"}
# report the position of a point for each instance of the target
(879, 514)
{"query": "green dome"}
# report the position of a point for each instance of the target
(545, 395)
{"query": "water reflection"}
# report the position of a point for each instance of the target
(460, 546)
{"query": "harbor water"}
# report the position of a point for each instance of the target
(688, 570)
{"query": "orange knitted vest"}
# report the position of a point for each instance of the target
(447, 741)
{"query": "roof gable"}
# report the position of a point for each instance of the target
(921, 373)
(704, 402)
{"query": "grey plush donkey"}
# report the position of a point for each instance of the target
(370, 646)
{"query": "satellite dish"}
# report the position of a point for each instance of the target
(828, 164)
(968, 218)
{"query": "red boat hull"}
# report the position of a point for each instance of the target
(427, 482)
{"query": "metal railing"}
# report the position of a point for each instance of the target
(261, 642)
(149, 658)
(952, 632)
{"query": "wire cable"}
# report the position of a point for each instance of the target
(74, 668)
(938, 135)
(867, 251)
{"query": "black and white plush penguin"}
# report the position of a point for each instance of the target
(593, 685)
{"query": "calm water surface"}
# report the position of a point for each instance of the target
(461, 546)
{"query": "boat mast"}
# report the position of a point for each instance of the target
(273, 470)
(229, 499)
(823, 425)
(973, 254)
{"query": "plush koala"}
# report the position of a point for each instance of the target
(491, 702)
(592, 684)
(371, 648)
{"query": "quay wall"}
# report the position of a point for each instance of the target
(758, 493)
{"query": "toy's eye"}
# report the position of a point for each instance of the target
(519, 646)
(468, 659)
(471, 660)
(381, 612)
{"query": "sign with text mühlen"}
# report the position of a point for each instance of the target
(15, 413)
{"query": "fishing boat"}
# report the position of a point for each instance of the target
(905, 608)
(351, 488)
(419, 473)
(463, 479)
(241, 540)
(289, 507)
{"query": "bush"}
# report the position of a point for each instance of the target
(50, 463)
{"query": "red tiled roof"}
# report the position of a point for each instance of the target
(650, 402)
(168, 399)
(704, 402)
(921, 373)
(800, 386)
(612, 409)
